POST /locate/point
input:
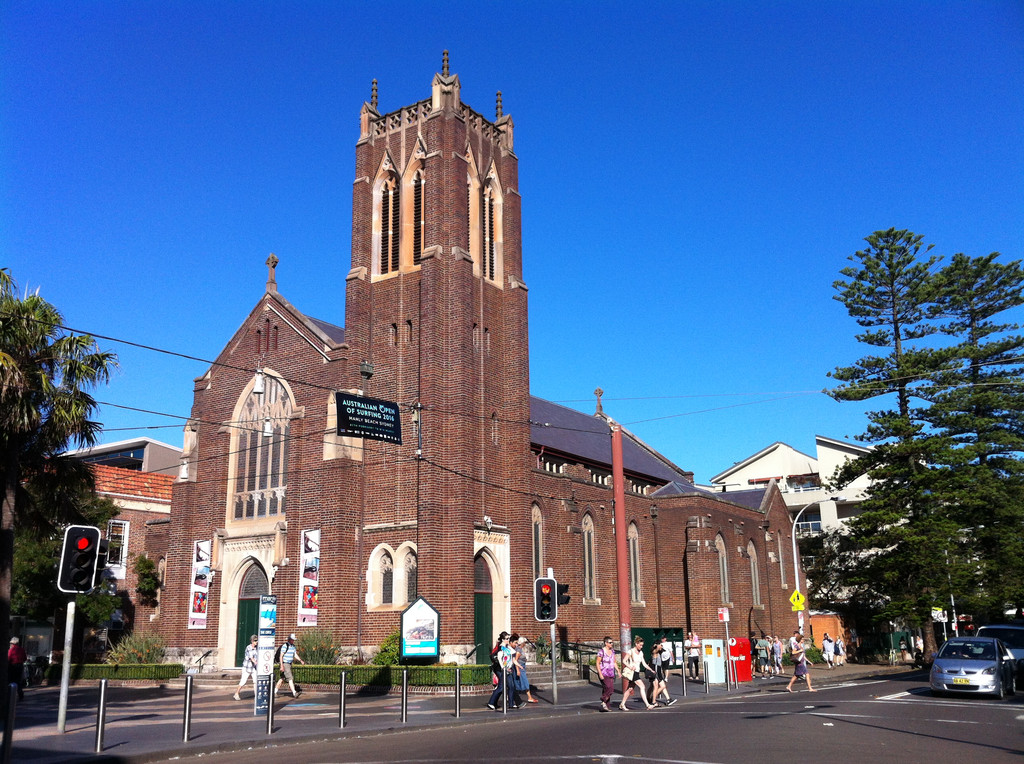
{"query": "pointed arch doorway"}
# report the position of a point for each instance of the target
(254, 583)
(483, 609)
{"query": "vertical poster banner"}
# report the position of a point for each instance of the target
(200, 587)
(309, 578)
(266, 637)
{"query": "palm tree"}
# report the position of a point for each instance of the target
(44, 408)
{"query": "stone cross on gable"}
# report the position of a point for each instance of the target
(600, 409)
(272, 262)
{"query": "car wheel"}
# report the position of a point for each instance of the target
(1013, 685)
(1001, 694)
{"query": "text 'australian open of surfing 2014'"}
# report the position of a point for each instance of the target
(361, 417)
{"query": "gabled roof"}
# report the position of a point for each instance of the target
(683, 488)
(754, 457)
(573, 433)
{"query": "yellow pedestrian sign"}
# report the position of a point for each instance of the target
(798, 601)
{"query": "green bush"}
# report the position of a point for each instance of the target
(158, 671)
(390, 650)
(543, 649)
(391, 676)
(138, 647)
(317, 647)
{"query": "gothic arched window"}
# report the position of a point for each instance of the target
(538, 542)
(755, 574)
(589, 560)
(387, 214)
(387, 578)
(723, 568)
(411, 570)
(260, 448)
(633, 541)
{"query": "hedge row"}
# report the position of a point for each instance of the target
(391, 676)
(116, 671)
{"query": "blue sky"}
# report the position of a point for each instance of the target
(694, 175)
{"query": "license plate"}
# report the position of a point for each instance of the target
(961, 680)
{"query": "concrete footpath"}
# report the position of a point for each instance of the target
(146, 724)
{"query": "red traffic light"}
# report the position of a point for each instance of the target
(545, 588)
(84, 543)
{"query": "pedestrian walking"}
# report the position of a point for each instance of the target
(520, 680)
(634, 666)
(798, 651)
(692, 647)
(16, 658)
(828, 649)
(777, 655)
(502, 658)
(289, 654)
(840, 651)
(660, 658)
(607, 670)
(248, 666)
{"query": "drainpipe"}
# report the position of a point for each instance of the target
(619, 520)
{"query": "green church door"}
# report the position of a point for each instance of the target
(483, 609)
(248, 622)
(253, 585)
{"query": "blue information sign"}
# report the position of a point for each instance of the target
(266, 637)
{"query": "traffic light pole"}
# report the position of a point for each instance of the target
(554, 668)
(65, 678)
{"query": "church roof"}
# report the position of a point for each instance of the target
(334, 333)
(587, 437)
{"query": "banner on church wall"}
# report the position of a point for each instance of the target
(200, 588)
(309, 578)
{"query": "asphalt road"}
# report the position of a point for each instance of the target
(868, 720)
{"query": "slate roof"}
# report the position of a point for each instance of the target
(588, 438)
(334, 333)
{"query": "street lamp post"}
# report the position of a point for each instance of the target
(796, 566)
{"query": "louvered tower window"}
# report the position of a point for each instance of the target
(419, 224)
(489, 255)
(389, 209)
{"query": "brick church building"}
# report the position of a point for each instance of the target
(490, 486)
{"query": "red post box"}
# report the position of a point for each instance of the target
(739, 657)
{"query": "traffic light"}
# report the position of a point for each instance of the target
(78, 559)
(545, 608)
(563, 594)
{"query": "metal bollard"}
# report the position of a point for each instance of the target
(101, 716)
(341, 700)
(12, 701)
(270, 708)
(405, 695)
(682, 675)
(458, 693)
(186, 727)
(707, 684)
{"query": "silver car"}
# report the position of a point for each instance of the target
(974, 665)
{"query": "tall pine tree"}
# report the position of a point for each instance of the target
(977, 406)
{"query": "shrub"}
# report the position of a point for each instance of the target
(148, 578)
(138, 647)
(384, 677)
(543, 649)
(390, 650)
(316, 646)
(160, 671)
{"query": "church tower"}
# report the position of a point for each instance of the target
(435, 301)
